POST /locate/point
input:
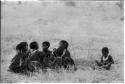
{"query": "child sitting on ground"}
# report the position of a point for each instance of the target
(46, 54)
(21, 56)
(106, 59)
(62, 56)
(35, 60)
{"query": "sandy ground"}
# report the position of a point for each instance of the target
(85, 25)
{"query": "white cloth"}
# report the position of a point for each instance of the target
(105, 58)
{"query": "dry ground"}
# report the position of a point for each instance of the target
(85, 25)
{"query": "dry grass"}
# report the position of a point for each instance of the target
(85, 25)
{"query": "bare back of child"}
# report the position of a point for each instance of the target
(21, 56)
(34, 62)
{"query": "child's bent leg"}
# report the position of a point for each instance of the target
(107, 67)
(98, 63)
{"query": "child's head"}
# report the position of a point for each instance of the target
(22, 47)
(63, 44)
(105, 51)
(34, 45)
(45, 45)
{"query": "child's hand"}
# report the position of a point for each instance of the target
(107, 65)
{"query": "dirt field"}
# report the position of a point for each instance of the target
(85, 25)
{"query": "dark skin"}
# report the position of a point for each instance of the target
(34, 61)
(61, 53)
(16, 65)
(60, 49)
(62, 45)
(105, 54)
(57, 54)
(47, 55)
(105, 63)
(45, 47)
(26, 47)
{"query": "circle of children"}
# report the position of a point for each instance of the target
(33, 60)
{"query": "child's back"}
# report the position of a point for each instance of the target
(34, 60)
(35, 57)
(17, 61)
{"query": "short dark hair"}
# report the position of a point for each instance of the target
(105, 49)
(34, 45)
(21, 46)
(46, 43)
(65, 43)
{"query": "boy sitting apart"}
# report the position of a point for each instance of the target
(106, 59)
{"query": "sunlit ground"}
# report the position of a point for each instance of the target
(85, 25)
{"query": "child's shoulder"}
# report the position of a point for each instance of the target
(110, 57)
(67, 51)
(19, 54)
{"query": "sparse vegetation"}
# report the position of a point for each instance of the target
(84, 27)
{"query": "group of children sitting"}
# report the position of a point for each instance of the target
(33, 59)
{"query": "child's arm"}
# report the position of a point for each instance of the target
(64, 52)
(111, 60)
(54, 52)
(20, 62)
(14, 58)
(22, 59)
(101, 59)
(107, 66)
